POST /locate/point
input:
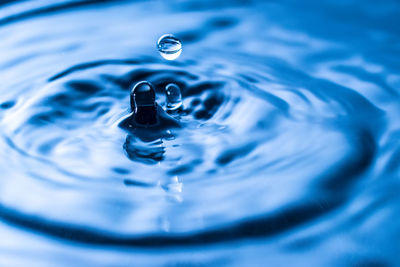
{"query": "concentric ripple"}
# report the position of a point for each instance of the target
(267, 143)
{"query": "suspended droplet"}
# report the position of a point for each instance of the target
(169, 47)
(143, 103)
(174, 96)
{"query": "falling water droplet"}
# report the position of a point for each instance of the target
(169, 47)
(174, 96)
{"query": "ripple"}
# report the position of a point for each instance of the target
(281, 128)
(242, 123)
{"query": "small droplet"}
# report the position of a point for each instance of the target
(169, 47)
(174, 97)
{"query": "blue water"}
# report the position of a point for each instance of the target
(285, 152)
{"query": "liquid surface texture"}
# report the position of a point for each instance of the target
(285, 150)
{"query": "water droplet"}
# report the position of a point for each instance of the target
(143, 94)
(143, 103)
(169, 47)
(174, 96)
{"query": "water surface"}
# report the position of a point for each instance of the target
(287, 147)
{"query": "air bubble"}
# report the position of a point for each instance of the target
(169, 47)
(174, 97)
